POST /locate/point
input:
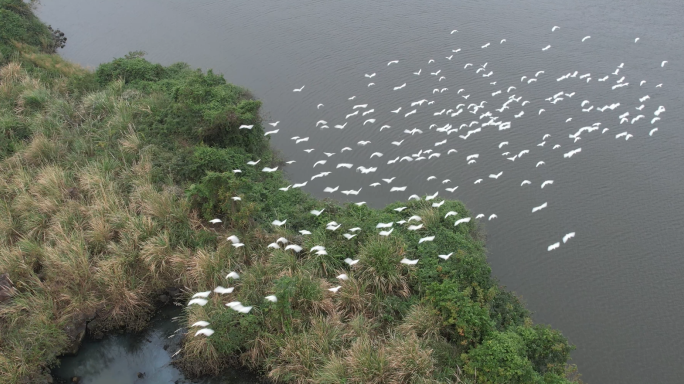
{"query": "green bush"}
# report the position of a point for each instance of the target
(546, 348)
(133, 70)
(206, 159)
(523, 354)
(500, 359)
(237, 330)
(507, 310)
(469, 320)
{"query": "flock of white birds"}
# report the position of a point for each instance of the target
(469, 118)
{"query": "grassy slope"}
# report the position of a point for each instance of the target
(107, 182)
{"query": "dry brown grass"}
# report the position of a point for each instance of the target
(42, 150)
(429, 214)
(125, 297)
(199, 357)
(53, 63)
(380, 267)
(422, 320)
(355, 299)
(303, 353)
(203, 269)
(130, 143)
(12, 72)
(409, 359)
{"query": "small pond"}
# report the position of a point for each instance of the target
(119, 358)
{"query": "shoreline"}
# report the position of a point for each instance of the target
(110, 180)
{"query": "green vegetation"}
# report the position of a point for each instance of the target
(107, 183)
(18, 25)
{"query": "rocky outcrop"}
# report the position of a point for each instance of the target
(76, 330)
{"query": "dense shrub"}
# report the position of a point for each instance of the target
(500, 359)
(132, 70)
(470, 320)
(506, 310)
(546, 348)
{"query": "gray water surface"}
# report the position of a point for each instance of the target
(615, 290)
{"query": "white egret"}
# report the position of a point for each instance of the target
(205, 331)
(386, 233)
(294, 247)
(539, 208)
(198, 301)
(568, 237)
(200, 323)
(221, 290)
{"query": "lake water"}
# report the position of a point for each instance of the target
(615, 289)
